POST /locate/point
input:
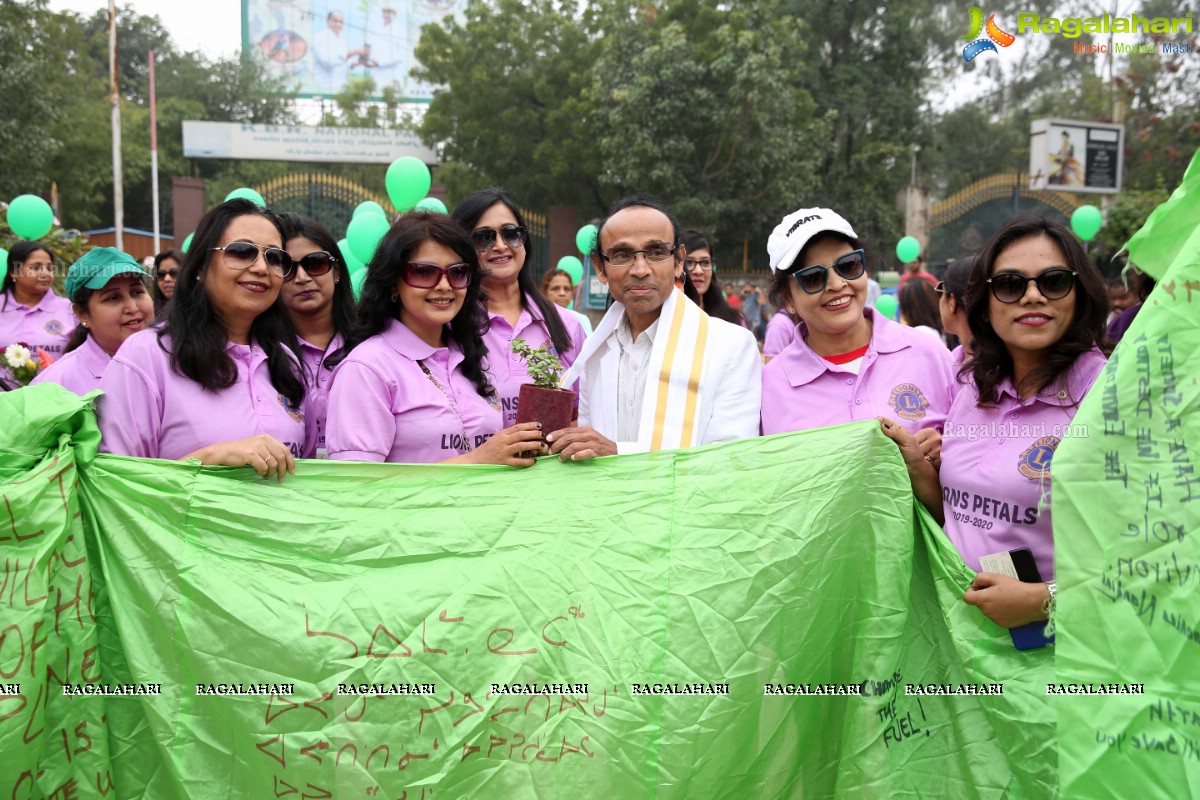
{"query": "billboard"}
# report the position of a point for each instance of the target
(1071, 156)
(324, 44)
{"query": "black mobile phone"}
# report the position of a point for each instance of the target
(1033, 634)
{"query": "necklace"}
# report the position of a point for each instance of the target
(450, 399)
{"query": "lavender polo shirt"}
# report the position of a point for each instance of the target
(956, 361)
(507, 369)
(47, 325)
(317, 380)
(383, 407)
(996, 465)
(78, 371)
(149, 410)
(905, 375)
(781, 332)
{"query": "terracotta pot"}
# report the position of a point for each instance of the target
(551, 407)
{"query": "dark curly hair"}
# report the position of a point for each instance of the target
(198, 337)
(469, 211)
(992, 362)
(377, 308)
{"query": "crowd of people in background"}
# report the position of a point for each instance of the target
(250, 349)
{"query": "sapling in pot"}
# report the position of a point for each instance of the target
(542, 401)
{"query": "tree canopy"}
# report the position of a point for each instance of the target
(60, 132)
(735, 114)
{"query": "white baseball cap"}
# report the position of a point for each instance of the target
(798, 229)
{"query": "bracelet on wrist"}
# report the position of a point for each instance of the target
(1051, 592)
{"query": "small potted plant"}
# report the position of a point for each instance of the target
(542, 401)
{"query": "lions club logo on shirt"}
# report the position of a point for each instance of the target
(54, 327)
(1034, 463)
(908, 401)
(291, 408)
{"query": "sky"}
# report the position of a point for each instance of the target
(214, 27)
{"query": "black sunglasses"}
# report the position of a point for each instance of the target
(814, 279)
(167, 273)
(485, 238)
(314, 264)
(1053, 284)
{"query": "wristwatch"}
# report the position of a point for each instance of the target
(1052, 589)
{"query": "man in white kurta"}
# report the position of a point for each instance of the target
(388, 51)
(658, 373)
(331, 55)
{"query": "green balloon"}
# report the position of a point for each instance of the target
(585, 239)
(573, 267)
(3, 263)
(908, 249)
(369, 207)
(1086, 221)
(363, 235)
(246, 193)
(30, 217)
(888, 305)
(433, 205)
(408, 180)
(356, 283)
(187, 243)
(353, 262)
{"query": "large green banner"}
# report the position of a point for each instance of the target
(769, 618)
(1127, 536)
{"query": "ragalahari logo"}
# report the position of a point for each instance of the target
(994, 37)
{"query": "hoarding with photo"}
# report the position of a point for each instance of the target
(1072, 156)
(324, 44)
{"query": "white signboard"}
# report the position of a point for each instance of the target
(323, 45)
(296, 143)
(1070, 156)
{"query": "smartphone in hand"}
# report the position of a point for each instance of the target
(1020, 564)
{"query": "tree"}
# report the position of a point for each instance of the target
(513, 110)
(710, 121)
(36, 48)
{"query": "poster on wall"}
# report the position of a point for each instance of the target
(1071, 156)
(325, 44)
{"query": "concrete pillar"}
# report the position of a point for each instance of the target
(187, 207)
(916, 215)
(563, 224)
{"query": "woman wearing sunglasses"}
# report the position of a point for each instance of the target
(219, 380)
(516, 309)
(1036, 310)
(30, 311)
(847, 362)
(320, 304)
(413, 388)
(166, 270)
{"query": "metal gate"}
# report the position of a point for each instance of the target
(329, 199)
(960, 224)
